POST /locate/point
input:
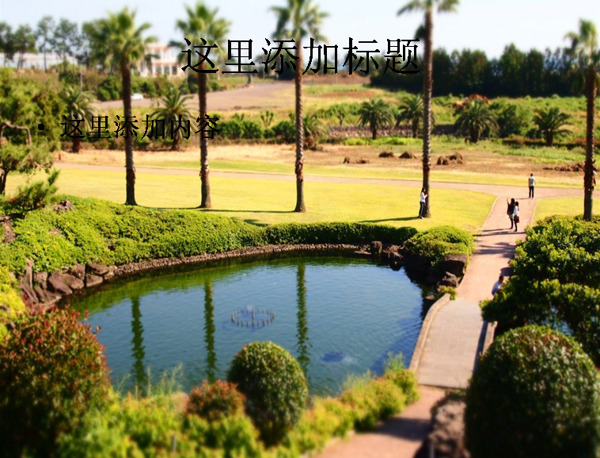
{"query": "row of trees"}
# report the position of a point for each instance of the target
(514, 74)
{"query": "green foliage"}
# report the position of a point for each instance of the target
(214, 401)
(286, 130)
(34, 196)
(22, 159)
(535, 393)
(11, 305)
(174, 113)
(274, 386)
(109, 89)
(550, 123)
(475, 120)
(377, 115)
(100, 231)
(511, 119)
(292, 233)
(437, 242)
(52, 371)
(232, 129)
(556, 273)
(446, 290)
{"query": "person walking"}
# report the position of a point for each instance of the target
(531, 186)
(516, 215)
(510, 210)
(422, 207)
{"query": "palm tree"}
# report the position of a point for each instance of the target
(296, 20)
(411, 110)
(203, 23)
(173, 112)
(376, 114)
(474, 119)
(550, 123)
(427, 6)
(585, 46)
(79, 106)
(118, 40)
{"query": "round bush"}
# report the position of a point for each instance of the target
(52, 371)
(215, 401)
(535, 393)
(274, 386)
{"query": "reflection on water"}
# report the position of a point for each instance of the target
(336, 315)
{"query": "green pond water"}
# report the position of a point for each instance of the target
(337, 315)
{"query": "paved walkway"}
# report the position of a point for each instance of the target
(454, 339)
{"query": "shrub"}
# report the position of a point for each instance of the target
(11, 305)
(336, 233)
(215, 401)
(274, 386)
(252, 129)
(232, 129)
(52, 371)
(437, 242)
(535, 393)
(286, 130)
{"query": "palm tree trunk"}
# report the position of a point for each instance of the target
(76, 144)
(204, 169)
(588, 179)
(300, 206)
(427, 90)
(415, 128)
(129, 166)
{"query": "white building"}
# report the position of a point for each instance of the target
(163, 61)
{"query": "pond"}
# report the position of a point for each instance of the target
(337, 315)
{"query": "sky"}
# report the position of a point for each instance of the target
(488, 25)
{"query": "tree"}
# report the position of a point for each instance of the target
(294, 21)
(24, 41)
(79, 106)
(427, 6)
(202, 23)
(117, 40)
(21, 158)
(44, 32)
(174, 113)
(411, 110)
(474, 119)
(584, 45)
(376, 114)
(65, 40)
(550, 123)
(340, 111)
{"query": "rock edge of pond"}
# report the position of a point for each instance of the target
(44, 290)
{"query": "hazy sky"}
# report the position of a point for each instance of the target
(478, 24)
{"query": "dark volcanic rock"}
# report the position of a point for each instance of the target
(57, 283)
(92, 280)
(454, 264)
(97, 269)
(78, 270)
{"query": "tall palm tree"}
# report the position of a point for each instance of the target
(411, 110)
(172, 112)
(118, 41)
(474, 119)
(585, 46)
(376, 114)
(427, 6)
(202, 23)
(79, 106)
(550, 123)
(296, 20)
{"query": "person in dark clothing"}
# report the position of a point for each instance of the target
(510, 210)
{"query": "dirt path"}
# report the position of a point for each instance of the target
(260, 96)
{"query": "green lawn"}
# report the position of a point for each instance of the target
(568, 206)
(271, 201)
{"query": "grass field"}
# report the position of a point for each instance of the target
(568, 206)
(271, 201)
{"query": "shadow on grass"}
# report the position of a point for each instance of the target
(405, 218)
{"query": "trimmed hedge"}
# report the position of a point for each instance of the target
(437, 242)
(293, 233)
(535, 393)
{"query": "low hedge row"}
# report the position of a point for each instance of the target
(440, 241)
